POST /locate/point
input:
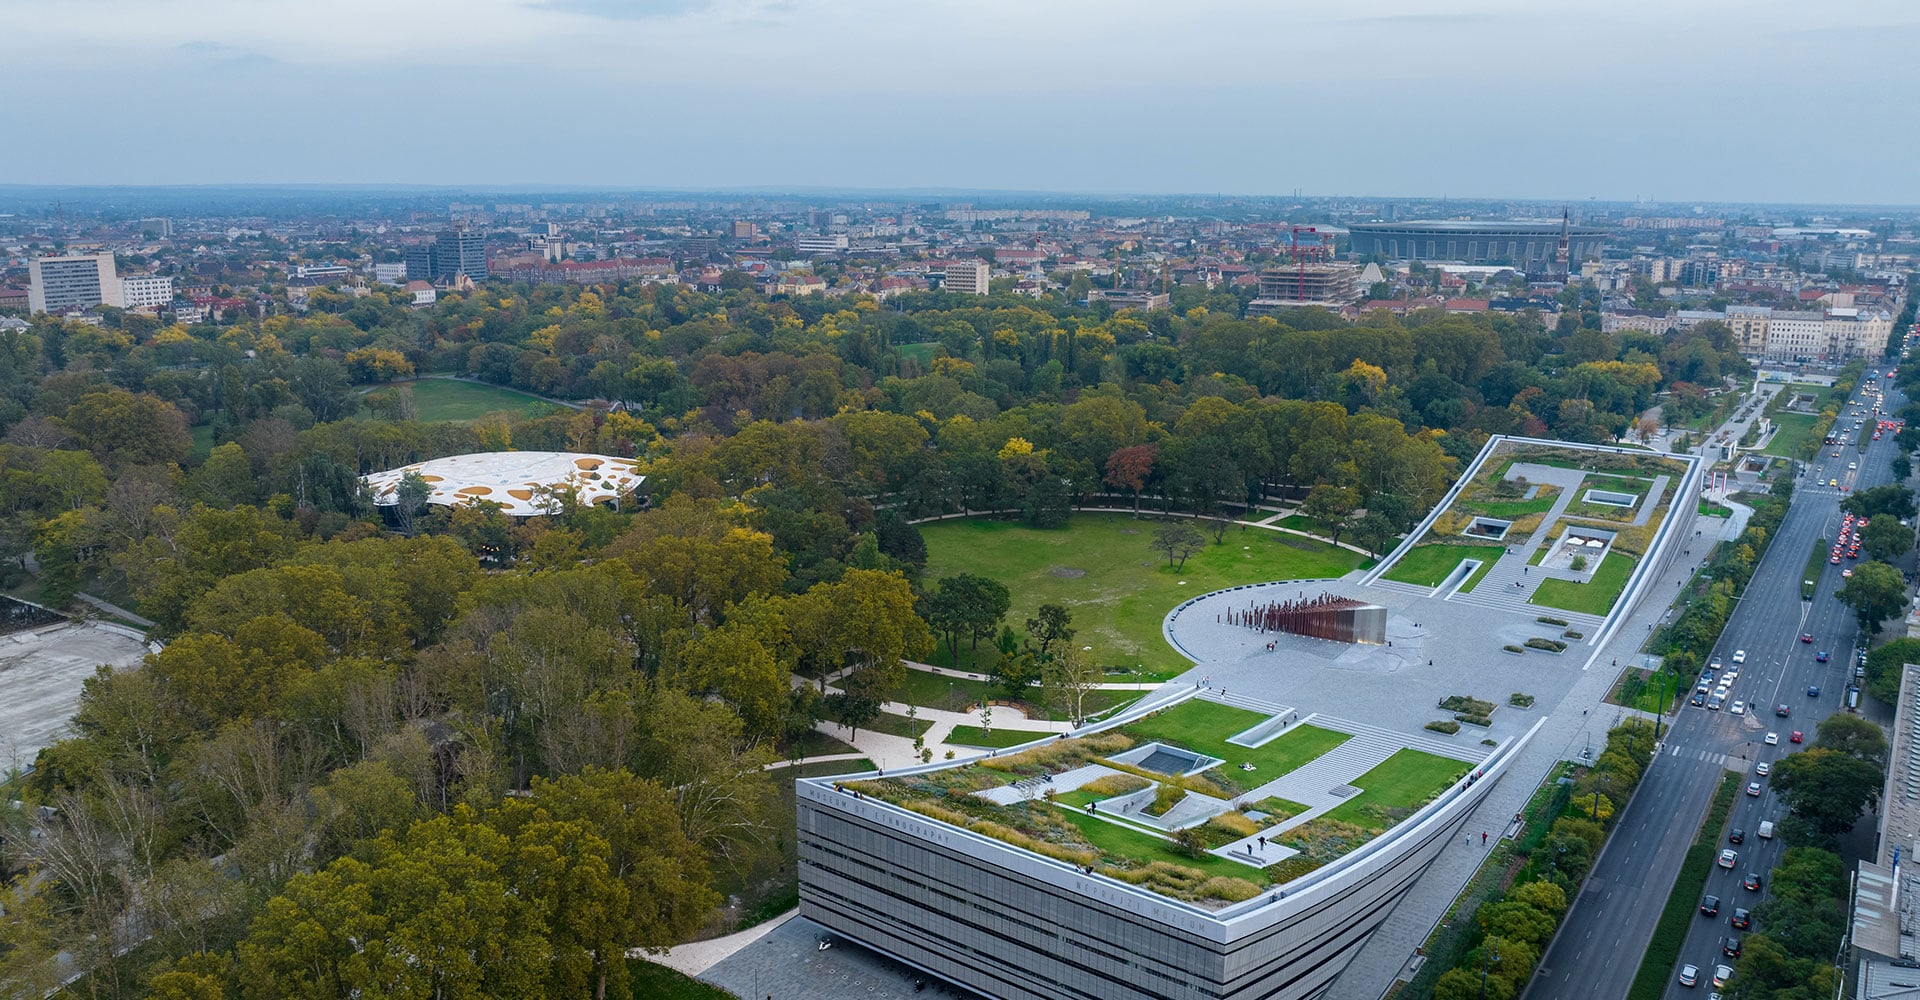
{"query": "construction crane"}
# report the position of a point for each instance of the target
(1300, 254)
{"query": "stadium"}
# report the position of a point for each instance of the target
(1527, 245)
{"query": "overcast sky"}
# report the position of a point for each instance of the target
(1757, 100)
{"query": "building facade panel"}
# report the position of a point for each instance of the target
(1526, 244)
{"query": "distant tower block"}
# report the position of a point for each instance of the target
(1328, 616)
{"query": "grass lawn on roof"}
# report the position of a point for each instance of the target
(1203, 726)
(1426, 565)
(1122, 842)
(1595, 597)
(1104, 570)
(1399, 784)
(1795, 429)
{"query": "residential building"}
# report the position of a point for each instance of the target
(13, 300)
(744, 230)
(62, 284)
(422, 292)
(967, 277)
(833, 243)
(146, 291)
(460, 251)
(1129, 298)
(1749, 325)
(332, 272)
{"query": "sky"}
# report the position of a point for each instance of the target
(1675, 100)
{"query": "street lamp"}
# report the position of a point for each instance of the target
(1491, 956)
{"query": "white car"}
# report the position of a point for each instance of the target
(1753, 789)
(1773, 739)
(1738, 708)
(1739, 656)
(1763, 769)
(1689, 975)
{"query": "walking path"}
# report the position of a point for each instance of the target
(116, 611)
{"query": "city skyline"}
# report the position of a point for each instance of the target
(740, 94)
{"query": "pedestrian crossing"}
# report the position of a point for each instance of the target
(1688, 753)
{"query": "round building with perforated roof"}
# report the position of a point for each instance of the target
(522, 483)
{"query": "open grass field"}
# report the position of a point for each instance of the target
(1795, 429)
(1593, 598)
(1125, 842)
(1427, 565)
(922, 353)
(1204, 726)
(1401, 782)
(437, 399)
(1104, 569)
(995, 738)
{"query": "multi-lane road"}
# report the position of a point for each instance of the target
(1598, 950)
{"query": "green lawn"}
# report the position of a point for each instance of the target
(995, 739)
(202, 435)
(1426, 565)
(657, 982)
(1401, 782)
(897, 725)
(1204, 726)
(1486, 566)
(1795, 429)
(1126, 842)
(1508, 510)
(439, 399)
(1104, 569)
(1594, 598)
(932, 690)
(921, 353)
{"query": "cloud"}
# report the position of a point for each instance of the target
(624, 10)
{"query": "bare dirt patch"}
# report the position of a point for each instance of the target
(1068, 574)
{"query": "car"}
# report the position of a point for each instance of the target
(1714, 702)
(1738, 836)
(1710, 906)
(1834, 455)
(1742, 918)
(1689, 975)
(1722, 974)
(1813, 690)
(1739, 656)
(1807, 637)
(1729, 858)
(1852, 466)
(1833, 482)
(1753, 789)
(1738, 708)
(1751, 883)
(1797, 737)
(1822, 656)
(1773, 739)
(1720, 692)
(1729, 677)
(1782, 710)
(1730, 946)
(1846, 573)
(1763, 769)
(1699, 699)
(1835, 559)
(1714, 664)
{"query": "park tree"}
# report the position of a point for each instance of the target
(1331, 506)
(123, 429)
(1050, 623)
(1374, 531)
(1178, 539)
(410, 498)
(1886, 538)
(1876, 592)
(1854, 736)
(1067, 678)
(1884, 666)
(1129, 468)
(971, 606)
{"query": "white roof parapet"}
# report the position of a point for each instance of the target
(521, 482)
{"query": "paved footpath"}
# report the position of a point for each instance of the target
(1388, 954)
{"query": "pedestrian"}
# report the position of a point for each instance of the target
(1469, 840)
(1483, 838)
(1263, 842)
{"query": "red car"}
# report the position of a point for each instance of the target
(1796, 737)
(1807, 637)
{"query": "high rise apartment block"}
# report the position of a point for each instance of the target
(967, 277)
(82, 281)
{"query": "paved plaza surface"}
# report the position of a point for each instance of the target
(789, 964)
(41, 675)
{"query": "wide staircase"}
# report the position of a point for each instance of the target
(1342, 765)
